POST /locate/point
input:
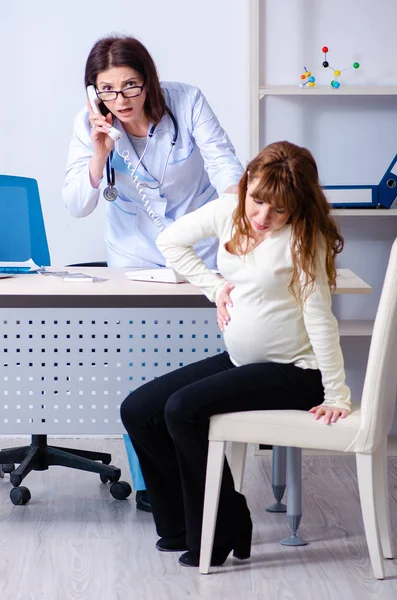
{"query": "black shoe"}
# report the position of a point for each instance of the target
(172, 544)
(241, 549)
(240, 544)
(142, 501)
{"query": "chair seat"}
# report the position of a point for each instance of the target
(285, 428)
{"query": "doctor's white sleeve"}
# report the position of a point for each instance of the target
(177, 241)
(322, 328)
(77, 192)
(220, 161)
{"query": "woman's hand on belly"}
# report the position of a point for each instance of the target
(224, 300)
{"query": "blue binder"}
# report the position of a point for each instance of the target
(388, 185)
(352, 196)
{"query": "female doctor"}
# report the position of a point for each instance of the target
(171, 143)
(171, 158)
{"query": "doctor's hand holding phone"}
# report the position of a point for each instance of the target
(98, 120)
(103, 135)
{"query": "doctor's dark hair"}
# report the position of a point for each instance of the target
(287, 177)
(124, 51)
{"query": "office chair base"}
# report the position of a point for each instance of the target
(20, 495)
(8, 468)
(39, 457)
(120, 490)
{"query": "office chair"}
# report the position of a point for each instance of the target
(363, 432)
(23, 236)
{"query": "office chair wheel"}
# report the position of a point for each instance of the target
(110, 478)
(120, 490)
(9, 468)
(20, 495)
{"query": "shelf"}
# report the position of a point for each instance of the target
(327, 90)
(348, 282)
(364, 212)
(356, 327)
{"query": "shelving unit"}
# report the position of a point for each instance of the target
(327, 90)
(372, 252)
(259, 91)
(356, 327)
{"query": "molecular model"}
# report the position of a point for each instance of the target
(307, 79)
(335, 83)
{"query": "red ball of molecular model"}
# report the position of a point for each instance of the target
(337, 72)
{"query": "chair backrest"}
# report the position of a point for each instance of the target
(22, 231)
(380, 385)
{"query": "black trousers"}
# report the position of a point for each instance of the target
(167, 420)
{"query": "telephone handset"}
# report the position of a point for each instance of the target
(114, 133)
(110, 192)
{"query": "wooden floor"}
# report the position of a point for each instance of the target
(73, 541)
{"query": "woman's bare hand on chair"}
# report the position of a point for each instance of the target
(331, 415)
(224, 300)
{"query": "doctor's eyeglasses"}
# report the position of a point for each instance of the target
(129, 92)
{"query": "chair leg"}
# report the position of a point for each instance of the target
(29, 463)
(294, 499)
(366, 485)
(14, 455)
(64, 459)
(215, 462)
(382, 501)
(237, 463)
(278, 478)
(91, 454)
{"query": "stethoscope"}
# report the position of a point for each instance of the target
(110, 193)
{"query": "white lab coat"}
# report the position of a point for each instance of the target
(202, 165)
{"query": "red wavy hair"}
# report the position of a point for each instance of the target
(287, 176)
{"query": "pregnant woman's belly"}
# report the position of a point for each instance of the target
(266, 331)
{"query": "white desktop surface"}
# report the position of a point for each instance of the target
(117, 284)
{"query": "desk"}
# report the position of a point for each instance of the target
(71, 352)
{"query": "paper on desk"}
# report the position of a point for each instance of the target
(26, 266)
(68, 276)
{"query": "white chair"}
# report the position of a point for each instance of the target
(363, 432)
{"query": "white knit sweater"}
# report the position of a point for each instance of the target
(266, 322)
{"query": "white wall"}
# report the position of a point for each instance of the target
(44, 46)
